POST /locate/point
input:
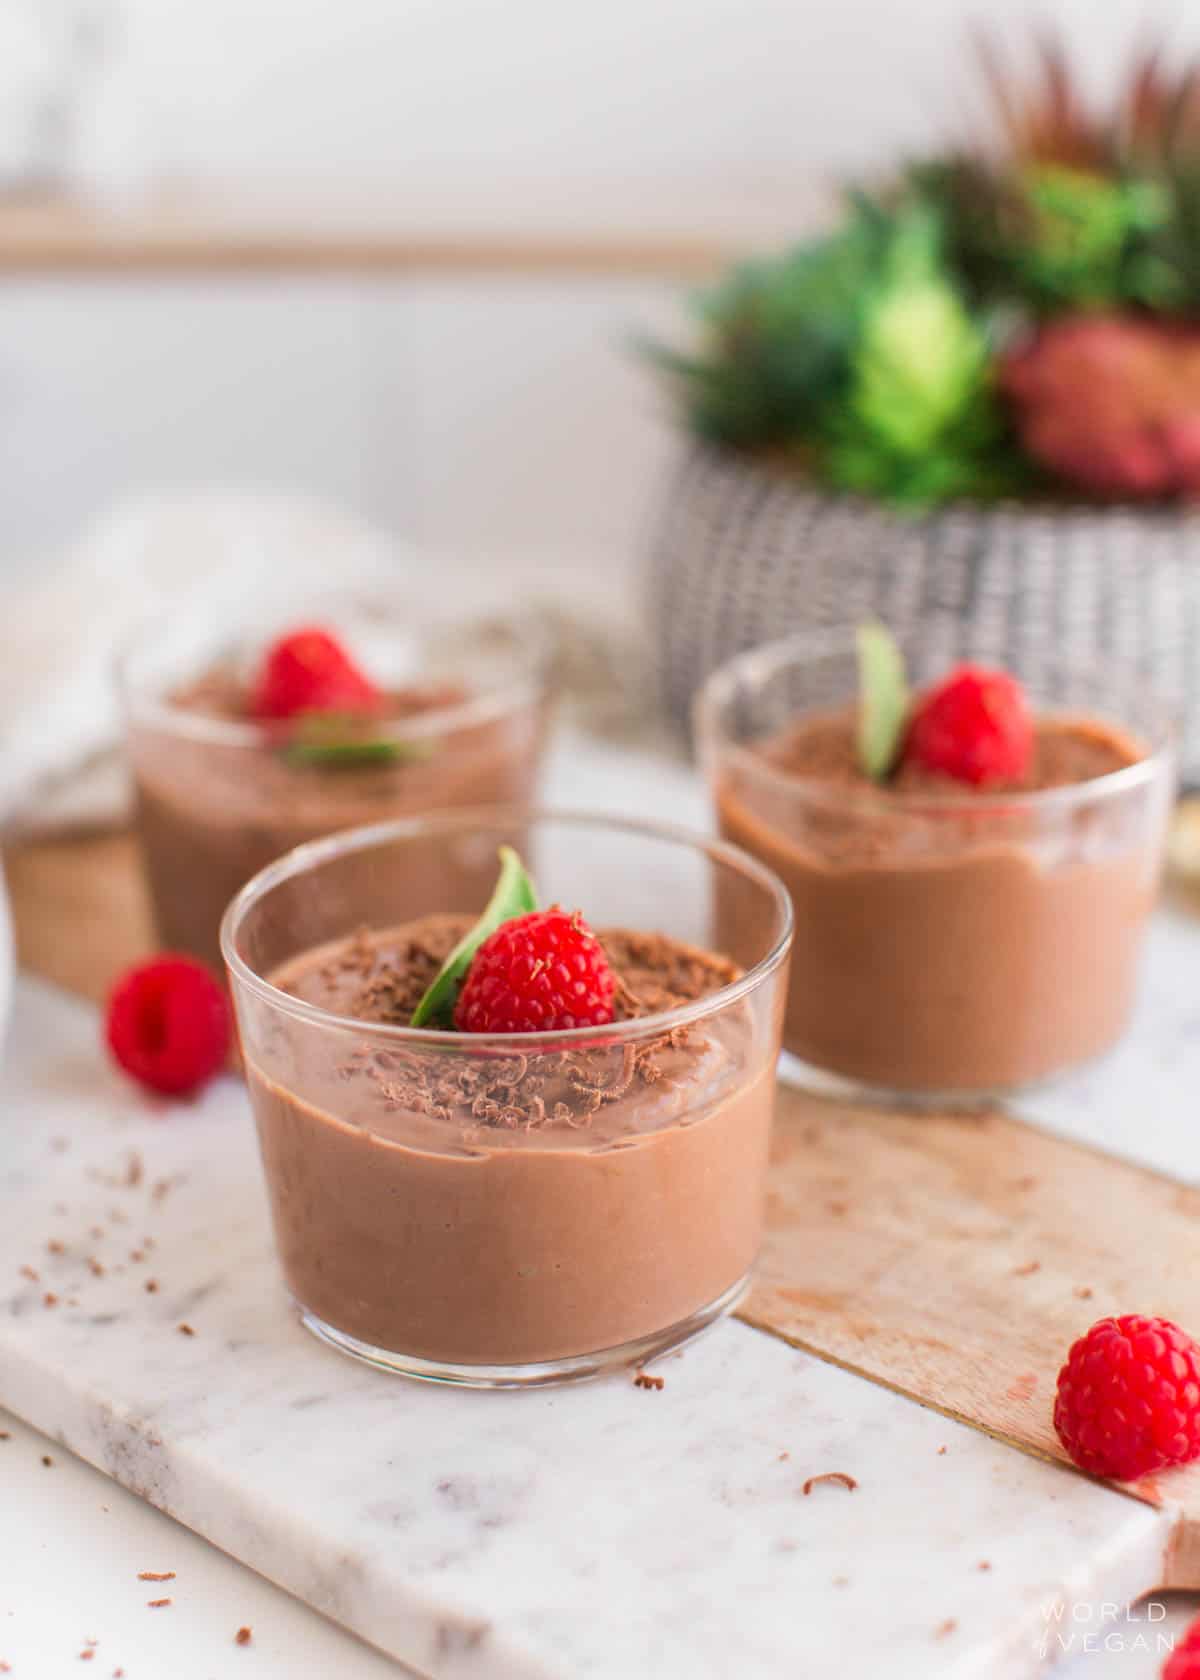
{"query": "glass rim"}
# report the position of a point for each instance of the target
(810, 648)
(527, 686)
(314, 853)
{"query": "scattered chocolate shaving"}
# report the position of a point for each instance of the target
(151, 1286)
(946, 1628)
(155, 1575)
(56, 1247)
(86, 1655)
(243, 1636)
(158, 1603)
(983, 1566)
(135, 1171)
(136, 1255)
(185, 1330)
(941, 1452)
(94, 1266)
(29, 1273)
(4, 1435)
(47, 1461)
(1082, 1292)
(1028, 1269)
(161, 1189)
(49, 1299)
(838, 1476)
(644, 1379)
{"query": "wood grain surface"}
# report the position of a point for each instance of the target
(952, 1258)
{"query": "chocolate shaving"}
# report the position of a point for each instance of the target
(515, 1090)
(243, 1636)
(185, 1330)
(1028, 1269)
(158, 1603)
(154, 1575)
(47, 1461)
(838, 1476)
(644, 1379)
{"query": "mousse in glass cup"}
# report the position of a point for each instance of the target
(502, 1209)
(457, 718)
(952, 941)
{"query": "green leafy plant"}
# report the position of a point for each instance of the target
(873, 358)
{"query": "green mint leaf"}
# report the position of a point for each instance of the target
(882, 700)
(355, 755)
(514, 895)
(345, 741)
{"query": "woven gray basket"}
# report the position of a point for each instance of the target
(743, 554)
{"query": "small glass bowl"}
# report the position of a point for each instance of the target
(512, 1209)
(218, 799)
(952, 947)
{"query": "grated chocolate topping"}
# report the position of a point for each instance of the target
(382, 977)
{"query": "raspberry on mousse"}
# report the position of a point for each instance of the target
(975, 725)
(542, 972)
(309, 670)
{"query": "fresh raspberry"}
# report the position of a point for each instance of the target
(168, 1024)
(1184, 1661)
(310, 671)
(543, 972)
(975, 725)
(1128, 1400)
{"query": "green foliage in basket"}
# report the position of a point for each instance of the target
(1023, 318)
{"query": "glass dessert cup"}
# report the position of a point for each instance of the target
(510, 1209)
(950, 948)
(218, 798)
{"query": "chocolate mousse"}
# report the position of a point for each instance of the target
(221, 792)
(954, 936)
(463, 1204)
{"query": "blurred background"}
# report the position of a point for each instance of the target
(393, 252)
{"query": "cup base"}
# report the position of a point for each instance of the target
(577, 1368)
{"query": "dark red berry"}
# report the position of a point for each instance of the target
(1128, 1400)
(310, 671)
(975, 726)
(168, 1024)
(543, 972)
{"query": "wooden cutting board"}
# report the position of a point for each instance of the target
(950, 1258)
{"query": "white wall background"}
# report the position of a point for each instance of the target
(719, 92)
(487, 414)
